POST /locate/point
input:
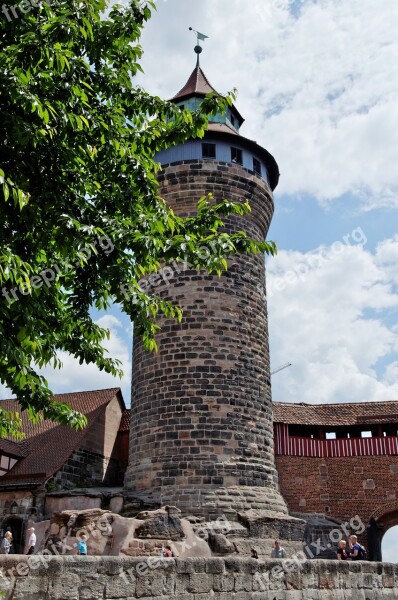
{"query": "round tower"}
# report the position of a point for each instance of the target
(201, 421)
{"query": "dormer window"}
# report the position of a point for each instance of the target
(208, 150)
(236, 155)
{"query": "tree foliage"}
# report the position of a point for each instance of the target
(80, 211)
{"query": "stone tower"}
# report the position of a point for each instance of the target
(201, 422)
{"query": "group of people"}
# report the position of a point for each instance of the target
(354, 550)
(6, 546)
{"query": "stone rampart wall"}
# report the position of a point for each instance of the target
(94, 578)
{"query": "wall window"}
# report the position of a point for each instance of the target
(256, 166)
(236, 155)
(208, 150)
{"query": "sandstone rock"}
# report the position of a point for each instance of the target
(269, 524)
(195, 520)
(220, 544)
(161, 524)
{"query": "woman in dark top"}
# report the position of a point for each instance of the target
(342, 552)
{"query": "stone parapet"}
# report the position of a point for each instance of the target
(95, 578)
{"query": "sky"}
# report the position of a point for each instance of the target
(317, 84)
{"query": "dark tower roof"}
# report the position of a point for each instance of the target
(197, 85)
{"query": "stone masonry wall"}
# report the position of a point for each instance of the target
(201, 421)
(99, 578)
(88, 469)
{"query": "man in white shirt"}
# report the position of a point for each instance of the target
(278, 552)
(32, 540)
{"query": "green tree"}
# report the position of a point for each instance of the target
(80, 211)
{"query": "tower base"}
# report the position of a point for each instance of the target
(214, 503)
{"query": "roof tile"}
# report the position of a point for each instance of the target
(197, 84)
(354, 413)
(48, 445)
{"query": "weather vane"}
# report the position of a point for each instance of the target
(198, 47)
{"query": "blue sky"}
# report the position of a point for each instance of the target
(318, 87)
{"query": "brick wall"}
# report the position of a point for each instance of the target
(98, 578)
(201, 424)
(340, 487)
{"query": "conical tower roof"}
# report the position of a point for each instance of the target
(197, 85)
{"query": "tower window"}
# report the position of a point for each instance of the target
(208, 150)
(256, 166)
(236, 155)
(233, 120)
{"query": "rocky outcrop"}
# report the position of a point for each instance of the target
(109, 534)
(268, 524)
(162, 524)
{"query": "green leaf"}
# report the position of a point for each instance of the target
(85, 227)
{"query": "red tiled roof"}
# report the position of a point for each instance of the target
(197, 85)
(15, 449)
(354, 413)
(125, 420)
(49, 445)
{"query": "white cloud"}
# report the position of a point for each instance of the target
(316, 80)
(75, 377)
(328, 315)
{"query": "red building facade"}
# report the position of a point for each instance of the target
(340, 460)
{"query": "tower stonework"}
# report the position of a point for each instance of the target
(201, 421)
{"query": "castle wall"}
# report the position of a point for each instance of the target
(340, 487)
(201, 419)
(95, 578)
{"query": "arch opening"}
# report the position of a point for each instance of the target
(389, 545)
(17, 528)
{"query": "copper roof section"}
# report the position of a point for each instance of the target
(221, 127)
(48, 445)
(355, 413)
(197, 85)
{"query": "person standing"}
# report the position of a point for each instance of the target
(342, 553)
(31, 541)
(168, 553)
(278, 551)
(357, 552)
(82, 546)
(6, 543)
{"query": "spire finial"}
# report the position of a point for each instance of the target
(198, 47)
